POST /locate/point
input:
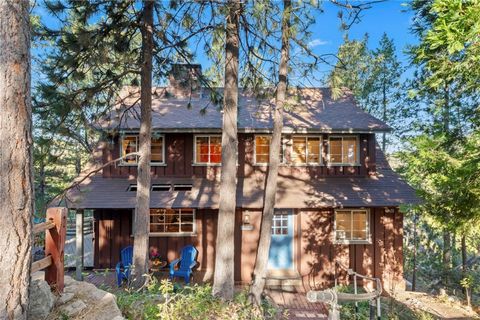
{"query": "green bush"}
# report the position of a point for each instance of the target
(166, 301)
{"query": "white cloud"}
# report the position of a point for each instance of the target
(317, 42)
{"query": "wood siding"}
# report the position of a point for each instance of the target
(314, 250)
(179, 160)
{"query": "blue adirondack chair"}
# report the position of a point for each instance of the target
(187, 263)
(123, 267)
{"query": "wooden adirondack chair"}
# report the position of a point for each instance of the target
(187, 263)
(123, 268)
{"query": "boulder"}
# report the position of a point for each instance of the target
(41, 300)
(64, 298)
(83, 300)
(72, 308)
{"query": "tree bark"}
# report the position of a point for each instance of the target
(414, 271)
(16, 183)
(223, 282)
(384, 115)
(142, 209)
(447, 254)
(466, 290)
(260, 271)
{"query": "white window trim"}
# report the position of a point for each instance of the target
(136, 135)
(282, 148)
(207, 164)
(369, 236)
(307, 164)
(175, 234)
(338, 164)
(120, 145)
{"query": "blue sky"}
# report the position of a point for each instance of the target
(389, 17)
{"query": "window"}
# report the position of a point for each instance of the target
(343, 150)
(182, 187)
(306, 150)
(161, 187)
(208, 149)
(172, 221)
(280, 224)
(262, 150)
(131, 144)
(352, 225)
(157, 150)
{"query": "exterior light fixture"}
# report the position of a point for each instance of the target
(246, 225)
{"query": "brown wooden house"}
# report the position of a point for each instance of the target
(337, 196)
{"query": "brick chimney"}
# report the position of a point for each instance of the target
(184, 80)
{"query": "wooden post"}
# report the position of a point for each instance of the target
(79, 245)
(54, 246)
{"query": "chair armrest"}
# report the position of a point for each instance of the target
(118, 267)
(127, 269)
(193, 264)
(173, 264)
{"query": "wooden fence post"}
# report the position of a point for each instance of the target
(54, 246)
(79, 245)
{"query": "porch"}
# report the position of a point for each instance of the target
(295, 302)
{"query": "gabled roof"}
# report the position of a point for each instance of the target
(307, 110)
(385, 188)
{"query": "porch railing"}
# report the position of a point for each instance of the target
(55, 228)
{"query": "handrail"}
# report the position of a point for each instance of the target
(333, 297)
(55, 233)
(41, 264)
(43, 226)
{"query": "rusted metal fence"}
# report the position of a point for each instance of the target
(55, 228)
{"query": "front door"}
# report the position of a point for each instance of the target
(281, 247)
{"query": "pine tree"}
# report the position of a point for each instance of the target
(260, 271)
(223, 283)
(385, 84)
(16, 178)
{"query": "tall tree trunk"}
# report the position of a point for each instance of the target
(447, 240)
(223, 281)
(466, 290)
(41, 185)
(142, 208)
(447, 255)
(16, 183)
(261, 262)
(415, 236)
(384, 116)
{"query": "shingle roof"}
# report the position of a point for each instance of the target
(308, 109)
(385, 188)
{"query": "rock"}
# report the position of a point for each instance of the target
(90, 302)
(64, 298)
(72, 308)
(41, 300)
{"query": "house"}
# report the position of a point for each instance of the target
(337, 197)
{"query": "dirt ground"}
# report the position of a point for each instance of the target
(441, 307)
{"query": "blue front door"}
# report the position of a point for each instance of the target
(281, 247)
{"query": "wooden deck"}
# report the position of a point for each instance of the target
(296, 303)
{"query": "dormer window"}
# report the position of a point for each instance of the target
(343, 150)
(130, 144)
